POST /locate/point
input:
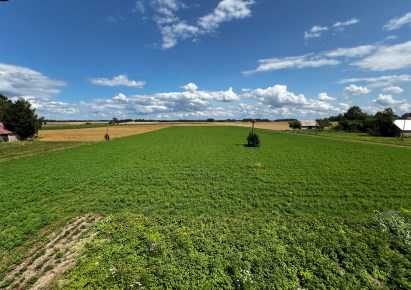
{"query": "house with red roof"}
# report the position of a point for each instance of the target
(6, 135)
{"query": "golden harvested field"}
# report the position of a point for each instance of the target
(97, 134)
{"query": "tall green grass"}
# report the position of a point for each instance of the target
(299, 212)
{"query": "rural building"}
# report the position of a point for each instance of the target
(309, 124)
(403, 125)
(6, 135)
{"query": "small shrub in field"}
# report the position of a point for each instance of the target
(253, 140)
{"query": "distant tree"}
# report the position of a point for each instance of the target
(40, 123)
(21, 118)
(406, 115)
(210, 120)
(323, 123)
(383, 122)
(4, 105)
(337, 118)
(354, 120)
(294, 124)
(355, 114)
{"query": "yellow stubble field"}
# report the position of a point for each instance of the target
(97, 134)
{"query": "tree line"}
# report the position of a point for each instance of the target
(355, 120)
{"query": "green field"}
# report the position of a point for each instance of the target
(193, 208)
(17, 150)
(366, 137)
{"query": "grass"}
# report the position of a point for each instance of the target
(191, 207)
(18, 150)
(357, 137)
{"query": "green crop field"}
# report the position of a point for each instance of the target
(193, 208)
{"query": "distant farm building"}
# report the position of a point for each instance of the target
(403, 126)
(6, 135)
(309, 124)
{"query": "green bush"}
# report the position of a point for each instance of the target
(253, 140)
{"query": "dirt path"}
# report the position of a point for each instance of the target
(45, 264)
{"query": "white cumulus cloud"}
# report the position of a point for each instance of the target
(278, 97)
(225, 11)
(393, 90)
(120, 80)
(387, 100)
(384, 101)
(356, 90)
(325, 97)
(18, 81)
(192, 102)
(191, 87)
(174, 29)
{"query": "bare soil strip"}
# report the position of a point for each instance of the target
(45, 264)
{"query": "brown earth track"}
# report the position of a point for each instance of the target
(44, 265)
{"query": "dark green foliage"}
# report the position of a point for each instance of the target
(20, 117)
(354, 120)
(253, 140)
(32, 280)
(114, 121)
(294, 124)
(5, 103)
(48, 268)
(383, 123)
(323, 123)
(355, 114)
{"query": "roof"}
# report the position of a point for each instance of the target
(308, 123)
(400, 124)
(4, 131)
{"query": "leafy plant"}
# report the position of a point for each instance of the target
(253, 140)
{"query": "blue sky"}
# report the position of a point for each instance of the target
(181, 59)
